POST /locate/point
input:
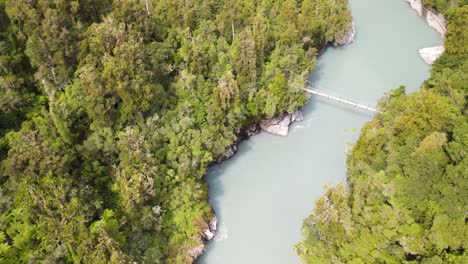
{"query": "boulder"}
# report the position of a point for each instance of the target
(348, 38)
(430, 55)
(210, 231)
(208, 235)
(280, 125)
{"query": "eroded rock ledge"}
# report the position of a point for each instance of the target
(435, 21)
(241, 135)
(209, 232)
(280, 125)
(430, 55)
(347, 39)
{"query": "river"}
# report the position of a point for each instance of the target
(264, 192)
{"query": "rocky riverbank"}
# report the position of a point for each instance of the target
(434, 20)
(277, 125)
(437, 22)
(430, 55)
(280, 125)
(347, 39)
(209, 232)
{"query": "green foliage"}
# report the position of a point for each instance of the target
(15, 76)
(112, 111)
(406, 199)
(443, 6)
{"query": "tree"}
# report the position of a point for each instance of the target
(113, 111)
(406, 176)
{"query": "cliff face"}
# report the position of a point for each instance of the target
(208, 233)
(430, 55)
(348, 38)
(436, 21)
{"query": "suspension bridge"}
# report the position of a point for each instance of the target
(313, 90)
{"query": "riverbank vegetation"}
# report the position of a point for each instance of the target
(443, 6)
(405, 199)
(112, 110)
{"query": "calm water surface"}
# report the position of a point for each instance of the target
(262, 195)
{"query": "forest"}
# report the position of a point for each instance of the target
(405, 199)
(111, 112)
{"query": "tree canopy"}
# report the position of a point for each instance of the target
(112, 110)
(405, 199)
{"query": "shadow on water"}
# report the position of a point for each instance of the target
(215, 174)
(317, 72)
(214, 179)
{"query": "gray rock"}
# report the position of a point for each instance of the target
(213, 223)
(280, 125)
(210, 232)
(348, 38)
(197, 251)
(416, 5)
(436, 21)
(230, 151)
(430, 55)
(252, 130)
(297, 116)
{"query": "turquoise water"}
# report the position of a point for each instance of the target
(262, 195)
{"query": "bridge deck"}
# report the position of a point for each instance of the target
(341, 100)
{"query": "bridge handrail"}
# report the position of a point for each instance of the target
(320, 92)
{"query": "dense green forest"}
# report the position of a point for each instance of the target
(112, 110)
(442, 6)
(406, 195)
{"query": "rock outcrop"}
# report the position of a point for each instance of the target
(251, 131)
(209, 232)
(197, 251)
(416, 5)
(230, 151)
(280, 125)
(436, 21)
(348, 38)
(430, 55)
